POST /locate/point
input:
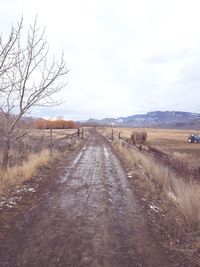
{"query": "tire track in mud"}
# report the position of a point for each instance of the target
(92, 219)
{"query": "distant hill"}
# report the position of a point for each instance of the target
(156, 119)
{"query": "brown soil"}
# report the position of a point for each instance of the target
(86, 213)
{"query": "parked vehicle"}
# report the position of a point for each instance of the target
(194, 139)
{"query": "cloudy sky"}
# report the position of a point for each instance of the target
(125, 56)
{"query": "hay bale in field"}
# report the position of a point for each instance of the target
(138, 138)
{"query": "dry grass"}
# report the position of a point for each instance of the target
(177, 201)
(1, 156)
(174, 195)
(17, 174)
(158, 181)
(32, 152)
(188, 202)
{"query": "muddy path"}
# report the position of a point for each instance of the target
(91, 218)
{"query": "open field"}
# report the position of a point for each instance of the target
(172, 141)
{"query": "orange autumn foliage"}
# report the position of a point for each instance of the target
(57, 124)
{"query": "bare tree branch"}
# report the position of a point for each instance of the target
(26, 78)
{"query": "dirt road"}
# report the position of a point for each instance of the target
(92, 218)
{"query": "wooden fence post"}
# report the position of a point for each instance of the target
(112, 135)
(51, 143)
(78, 133)
(82, 133)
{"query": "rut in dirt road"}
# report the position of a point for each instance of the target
(92, 219)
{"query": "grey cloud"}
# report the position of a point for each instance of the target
(189, 74)
(121, 62)
(167, 56)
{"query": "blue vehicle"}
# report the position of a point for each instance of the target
(194, 139)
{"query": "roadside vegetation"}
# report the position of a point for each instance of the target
(173, 201)
(31, 153)
(19, 173)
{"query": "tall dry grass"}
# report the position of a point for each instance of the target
(188, 202)
(158, 181)
(17, 174)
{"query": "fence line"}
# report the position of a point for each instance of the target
(78, 134)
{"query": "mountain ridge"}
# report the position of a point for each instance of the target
(155, 119)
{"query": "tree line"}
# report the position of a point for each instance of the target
(55, 124)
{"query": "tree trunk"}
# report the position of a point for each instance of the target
(6, 151)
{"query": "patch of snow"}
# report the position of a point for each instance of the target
(110, 199)
(9, 206)
(106, 153)
(139, 119)
(20, 190)
(140, 166)
(154, 207)
(31, 190)
(10, 202)
(63, 178)
(172, 196)
(2, 202)
(119, 121)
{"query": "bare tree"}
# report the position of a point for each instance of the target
(7, 50)
(27, 80)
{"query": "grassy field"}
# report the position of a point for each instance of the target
(171, 141)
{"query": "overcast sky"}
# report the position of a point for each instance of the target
(125, 57)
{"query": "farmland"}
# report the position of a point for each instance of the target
(171, 141)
